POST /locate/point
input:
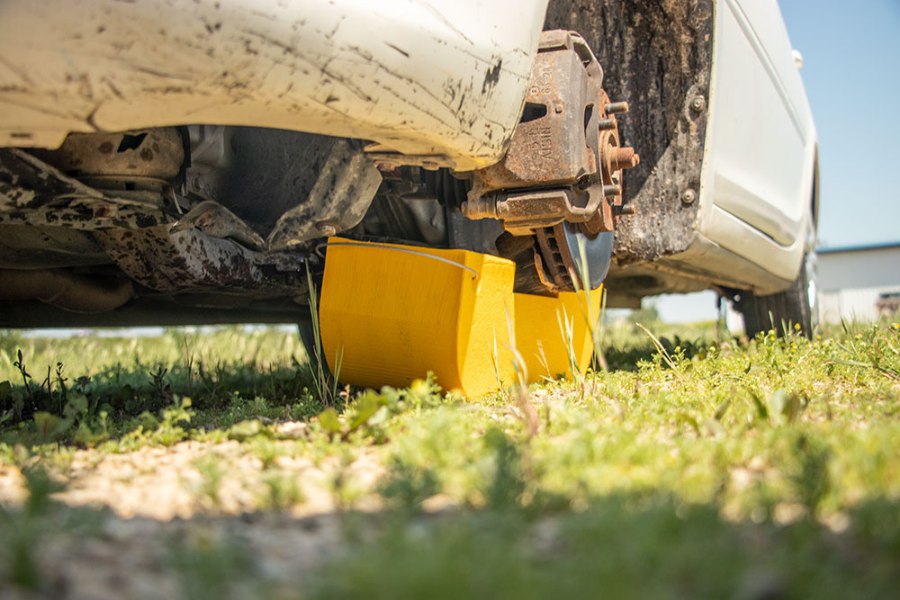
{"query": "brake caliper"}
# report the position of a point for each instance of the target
(559, 185)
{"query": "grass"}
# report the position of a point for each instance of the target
(694, 467)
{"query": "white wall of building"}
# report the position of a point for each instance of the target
(852, 305)
(850, 281)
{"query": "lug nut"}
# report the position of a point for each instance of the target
(623, 209)
(689, 196)
(617, 108)
(623, 158)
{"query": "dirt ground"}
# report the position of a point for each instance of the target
(151, 512)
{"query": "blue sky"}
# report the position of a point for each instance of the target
(851, 52)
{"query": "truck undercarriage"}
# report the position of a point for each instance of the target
(206, 223)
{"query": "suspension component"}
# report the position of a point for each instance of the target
(561, 179)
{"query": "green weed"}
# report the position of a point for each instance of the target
(208, 566)
(23, 530)
(280, 491)
(212, 473)
(326, 384)
(407, 486)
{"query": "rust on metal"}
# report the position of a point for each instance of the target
(623, 158)
(562, 175)
(549, 145)
(34, 193)
(152, 153)
(190, 260)
(617, 108)
(567, 146)
(666, 49)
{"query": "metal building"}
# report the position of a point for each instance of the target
(858, 283)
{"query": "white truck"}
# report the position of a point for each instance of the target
(175, 161)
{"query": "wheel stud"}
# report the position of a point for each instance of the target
(612, 190)
(617, 108)
(623, 158)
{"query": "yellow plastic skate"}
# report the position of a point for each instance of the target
(392, 313)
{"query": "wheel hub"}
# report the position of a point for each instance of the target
(560, 182)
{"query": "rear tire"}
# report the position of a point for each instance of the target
(785, 310)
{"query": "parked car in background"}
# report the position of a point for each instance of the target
(183, 162)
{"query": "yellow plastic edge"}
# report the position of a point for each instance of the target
(393, 313)
(390, 313)
(553, 335)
